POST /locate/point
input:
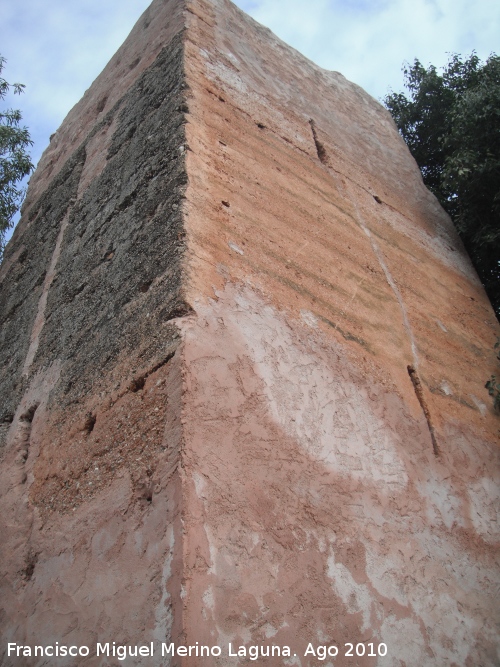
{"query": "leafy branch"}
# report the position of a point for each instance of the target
(15, 161)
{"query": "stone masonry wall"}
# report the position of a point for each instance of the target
(90, 289)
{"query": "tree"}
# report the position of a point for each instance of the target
(451, 124)
(493, 384)
(15, 162)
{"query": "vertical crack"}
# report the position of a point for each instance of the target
(23, 435)
(417, 386)
(320, 149)
(412, 370)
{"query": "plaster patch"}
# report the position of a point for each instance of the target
(355, 596)
(199, 485)
(484, 498)
(269, 630)
(385, 574)
(227, 75)
(208, 598)
(442, 503)
(445, 388)
(309, 318)
(351, 440)
(404, 641)
(235, 247)
(312, 400)
(212, 547)
(163, 612)
(479, 404)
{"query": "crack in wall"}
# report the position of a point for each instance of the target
(417, 385)
(390, 280)
(320, 149)
(323, 157)
(412, 369)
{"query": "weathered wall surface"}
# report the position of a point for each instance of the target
(386, 276)
(316, 510)
(90, 388)
(226, 263)
(320, 268)
(104, 566)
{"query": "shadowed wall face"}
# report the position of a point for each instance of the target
(90, 427)
(122, 231)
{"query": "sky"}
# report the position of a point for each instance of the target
(57, 48)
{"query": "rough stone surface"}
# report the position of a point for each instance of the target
(244, 355)
(90, 393)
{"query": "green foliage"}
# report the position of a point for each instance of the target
(15, 162)
(493, 384)
(451, 123)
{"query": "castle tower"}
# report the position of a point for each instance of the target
(243, 359)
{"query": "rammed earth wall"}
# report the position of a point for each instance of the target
(91, 284)
(244, 357)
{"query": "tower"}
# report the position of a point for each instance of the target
(243, 358)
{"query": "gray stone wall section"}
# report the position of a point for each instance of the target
(27, 258)
(117, 281)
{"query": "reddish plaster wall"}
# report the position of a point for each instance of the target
(391, 278)
(315, 508)
(320, 268)
(103, 562)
